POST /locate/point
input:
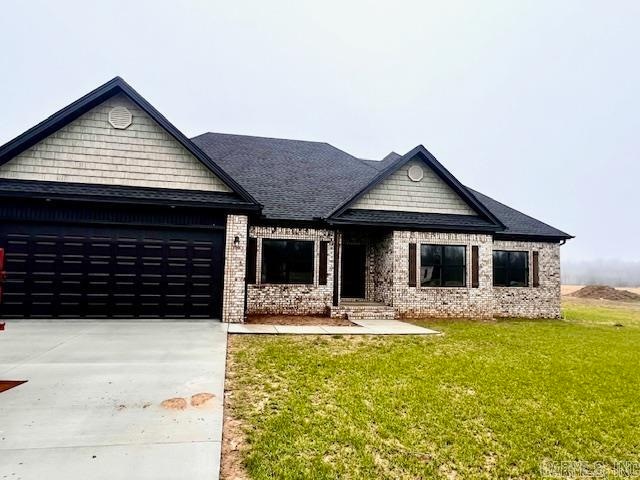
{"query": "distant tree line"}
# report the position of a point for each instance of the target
(616, 273)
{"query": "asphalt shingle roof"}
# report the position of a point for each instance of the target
(292, 179)
(300, 180)
(518, 223)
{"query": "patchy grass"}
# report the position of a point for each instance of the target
(602, 312)
(486, 400)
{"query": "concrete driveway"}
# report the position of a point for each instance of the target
(92, 406)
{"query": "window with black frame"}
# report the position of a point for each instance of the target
(510, 269)
(443, 266)
(287, 261)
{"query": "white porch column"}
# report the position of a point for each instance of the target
(235, 265)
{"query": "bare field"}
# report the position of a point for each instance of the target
(568, 289)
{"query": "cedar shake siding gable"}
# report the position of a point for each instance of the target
(416, 183)
(399, 193)
(90, 150)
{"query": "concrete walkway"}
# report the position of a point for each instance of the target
(363, 327)
(91, 408)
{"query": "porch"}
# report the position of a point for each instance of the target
(363, 262)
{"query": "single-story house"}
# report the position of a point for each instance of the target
(108, 210)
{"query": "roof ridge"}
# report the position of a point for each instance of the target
(266, 138)
(286, 140)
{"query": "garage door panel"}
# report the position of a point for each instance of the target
(100, 248)
(123, 288)
(98, 268)
(201, 288)
(149, 270)
(111, 272)
(199, 310)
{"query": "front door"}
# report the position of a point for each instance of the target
(353, 270)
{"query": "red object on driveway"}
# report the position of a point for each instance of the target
(7, 384)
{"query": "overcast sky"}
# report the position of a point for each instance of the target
(535, 103)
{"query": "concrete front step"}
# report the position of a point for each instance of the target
(364, 311)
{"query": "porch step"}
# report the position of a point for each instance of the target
(363, 310)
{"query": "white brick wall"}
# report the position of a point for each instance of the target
(387, 277)
(235, 263)
(531, 302)
(398, 193)
(382, 271)
(486, 300)
(312, 299)
(457, 302)
(90, 150)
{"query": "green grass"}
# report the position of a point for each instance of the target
(602, 312)
(487, 400)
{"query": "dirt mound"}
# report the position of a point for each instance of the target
(602, 292)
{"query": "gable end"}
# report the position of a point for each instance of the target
(441, 193)
(168, 145)
(414, 188)
(91, 150)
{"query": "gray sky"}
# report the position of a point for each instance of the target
(534, 103)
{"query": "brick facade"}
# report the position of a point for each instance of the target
(382, 259)
(235, 264)
(531, 302)
(387, 274)
(312, 299)
(458, 302)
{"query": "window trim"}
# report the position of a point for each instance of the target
(442, 246)
(313, 261)
(527, 268)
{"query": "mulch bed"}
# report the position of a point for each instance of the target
(297, 320)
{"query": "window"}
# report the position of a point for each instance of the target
(443, 266)
(287, 261)
(510, 269)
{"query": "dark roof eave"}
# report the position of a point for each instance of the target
(495, 231)
(526, 237)
(418, 226)
(246, 207)
(117, 195)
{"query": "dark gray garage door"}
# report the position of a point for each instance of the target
(63, 271)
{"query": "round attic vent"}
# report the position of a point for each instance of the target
(120, 117)
(415, 173)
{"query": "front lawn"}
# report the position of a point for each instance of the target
(486, 400)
